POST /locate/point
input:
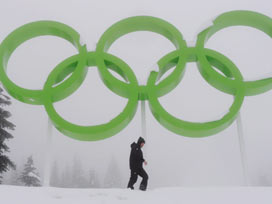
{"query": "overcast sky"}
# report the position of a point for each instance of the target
(173, 159)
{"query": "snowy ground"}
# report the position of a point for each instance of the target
(211, 195)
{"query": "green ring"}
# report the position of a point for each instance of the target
(96, 132)
(237, 18)
(128, 25)
(194, 129)
(24, 33)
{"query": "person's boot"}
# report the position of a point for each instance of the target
(142, 188)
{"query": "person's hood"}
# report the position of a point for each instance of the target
(140, 140)
(133, 145)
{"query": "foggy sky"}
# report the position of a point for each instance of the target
(172, 159)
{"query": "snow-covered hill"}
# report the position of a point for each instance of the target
(211, 195)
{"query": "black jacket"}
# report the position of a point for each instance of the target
(136, 157)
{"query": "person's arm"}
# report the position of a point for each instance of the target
(142, 158)
(138, 155)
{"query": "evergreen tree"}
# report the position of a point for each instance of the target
(30, 176)
(78, 180)
(113, 176)
(14, 178)
(5, 162)
(66, 177)
(54, 179)
(93, 179)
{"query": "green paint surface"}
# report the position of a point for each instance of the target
(68, 75)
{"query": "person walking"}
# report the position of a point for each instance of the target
(136, 161)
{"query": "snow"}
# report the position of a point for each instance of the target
(31, 174)
(173, 195)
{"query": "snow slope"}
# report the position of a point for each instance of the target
(211, 195)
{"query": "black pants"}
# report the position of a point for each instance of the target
(134, 176)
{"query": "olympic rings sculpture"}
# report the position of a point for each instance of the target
(75, 68)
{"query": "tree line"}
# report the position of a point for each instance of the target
(69, 176)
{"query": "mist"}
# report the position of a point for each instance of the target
(173, 160)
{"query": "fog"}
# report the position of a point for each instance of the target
(173, 160)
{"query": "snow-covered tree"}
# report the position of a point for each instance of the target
(5, 162)
(30, 176)
(113, 177)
